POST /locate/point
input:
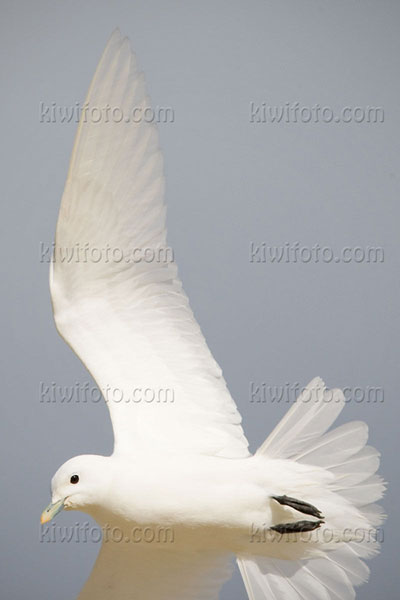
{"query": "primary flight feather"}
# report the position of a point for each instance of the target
(181, 473)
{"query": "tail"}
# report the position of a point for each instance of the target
(350, 511)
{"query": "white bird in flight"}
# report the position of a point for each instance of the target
(181, 488)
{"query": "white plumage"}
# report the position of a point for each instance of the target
(182, 466)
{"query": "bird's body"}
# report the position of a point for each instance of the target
(202, 491)
(181, 494)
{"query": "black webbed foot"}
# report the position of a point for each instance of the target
(297, 527)
(299, 505)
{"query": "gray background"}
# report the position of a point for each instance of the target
(229, 182)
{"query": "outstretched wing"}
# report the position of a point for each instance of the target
(156, 571)
(116, 296)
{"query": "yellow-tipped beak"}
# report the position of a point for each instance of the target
(51, 511)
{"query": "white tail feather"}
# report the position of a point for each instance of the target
(313, 413)
(336, 446)
(301, 436)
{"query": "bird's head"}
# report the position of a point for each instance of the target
(79, 484)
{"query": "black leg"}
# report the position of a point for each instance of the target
(297, 527)
(299, 505)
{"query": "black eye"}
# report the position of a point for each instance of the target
(74, 479)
